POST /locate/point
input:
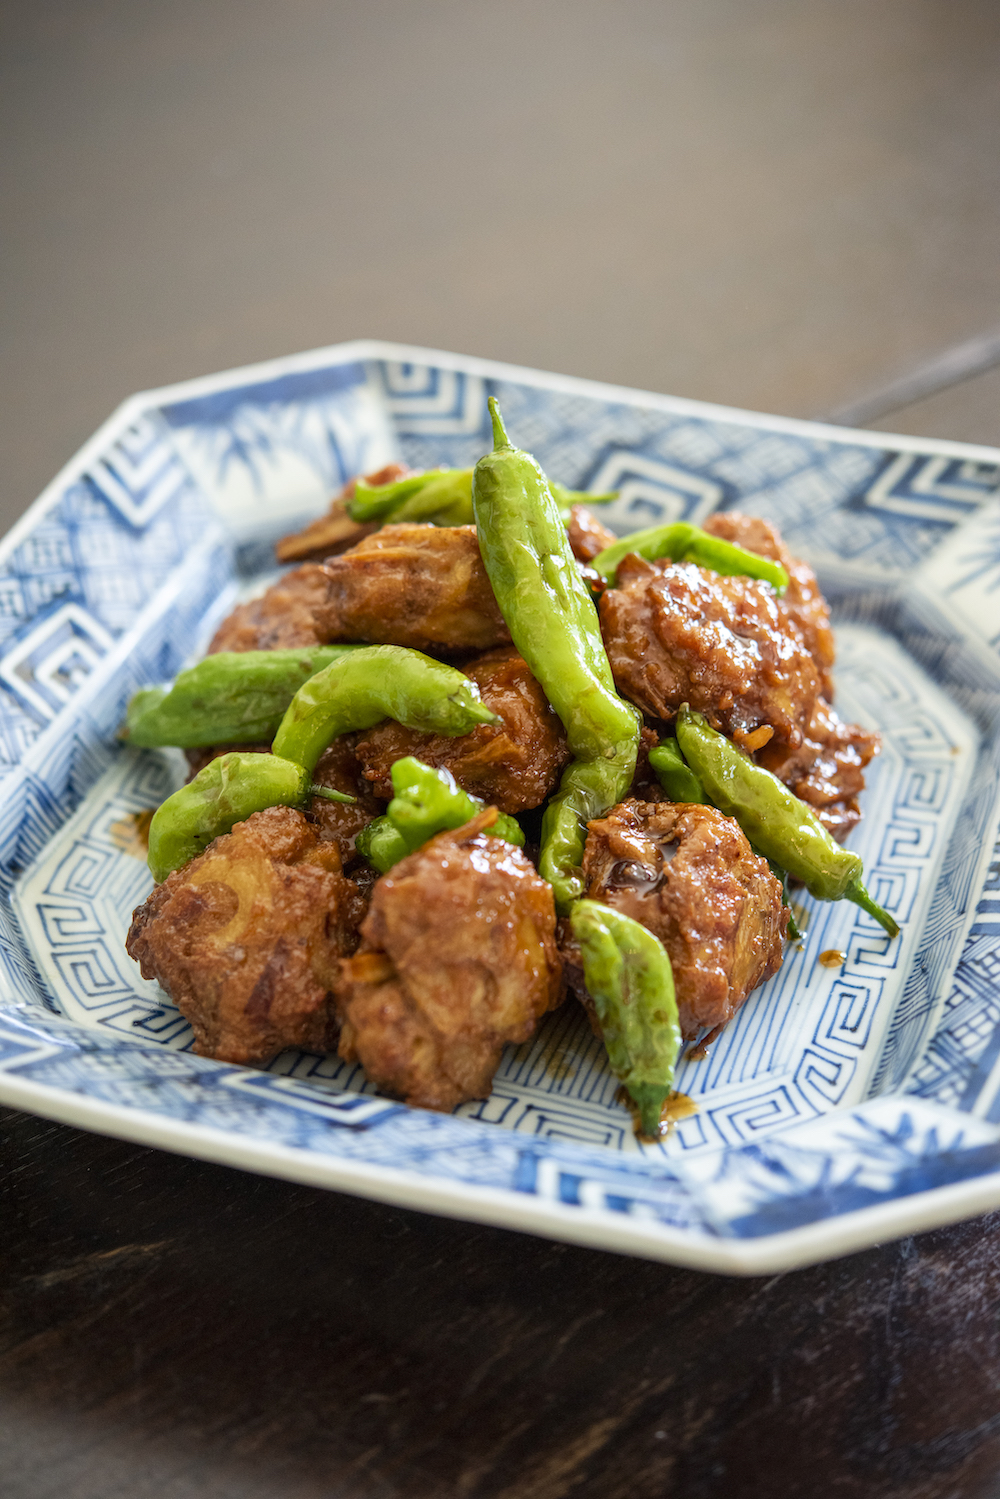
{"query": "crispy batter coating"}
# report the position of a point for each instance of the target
(459, 958)
(280, 619)
(587, 535)
(339, 822)
(418, 585)
(826, 768)
(247, 938)
(690, 876)
(513, 765)
(677, 633)
(335, 531)
(802, 598)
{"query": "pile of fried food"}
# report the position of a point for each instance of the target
(475, 754)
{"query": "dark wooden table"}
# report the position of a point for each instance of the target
(783, 204)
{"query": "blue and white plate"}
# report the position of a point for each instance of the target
(841, 1107)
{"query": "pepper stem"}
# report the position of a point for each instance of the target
(500, 438)
(859, 895)
(330, 794)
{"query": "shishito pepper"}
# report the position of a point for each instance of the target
(228, 790)
(629, 977)
(553, 622)
(682, 542)
(426, 801)
(674, 775)
(442, 496)
(233, 697)
(779, 825)
(372, 683)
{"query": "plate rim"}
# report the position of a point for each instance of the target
(504, 1207)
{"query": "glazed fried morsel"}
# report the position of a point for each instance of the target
(512, 765)
(690, 876)
(422, 586)
(458, 959)
(282, 618)
(587, 536)
(802, 598)
(827, 768)
(677, 633)
(757, 666)
(335, 531)
(247, 938)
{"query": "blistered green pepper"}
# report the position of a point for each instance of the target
(427, 801)
(628, 975)
(674, 775)
(443, 496)
(228, 790)
(233, 697)
(779, 825)
(553, 622)
(682, 542)
(372, 683)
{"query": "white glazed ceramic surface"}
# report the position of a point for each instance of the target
(840, 1108)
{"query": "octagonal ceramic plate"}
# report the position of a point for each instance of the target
(840, 1108)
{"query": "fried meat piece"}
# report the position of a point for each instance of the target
(587, 536)
(827, 768)
(340, 822)
(690, 876)
(335, 531)
(513, 765)
(282, 618)
(458, 959)
(418, 585)
(676, 633)
(247, 938)
(802, 598)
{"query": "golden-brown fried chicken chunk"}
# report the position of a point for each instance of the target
(827, 768)
(335, 531)
(282, 618)
(513, 764)
(690, 876)
(418, 585)
(802, 598)
(587, 535)
(247, 938)
(677, 633)
(458, 959)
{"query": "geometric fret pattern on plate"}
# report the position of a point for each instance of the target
(840, 1106)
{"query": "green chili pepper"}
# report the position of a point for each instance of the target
(553, 622)
(227, 791)
(686, 543)
(372, 683)
(674, 775)
(777, 823)
(628, 975)
(232, 697)
(443, 496)
(427, 801)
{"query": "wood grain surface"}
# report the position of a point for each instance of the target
(774, 203)
(171, 1328)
